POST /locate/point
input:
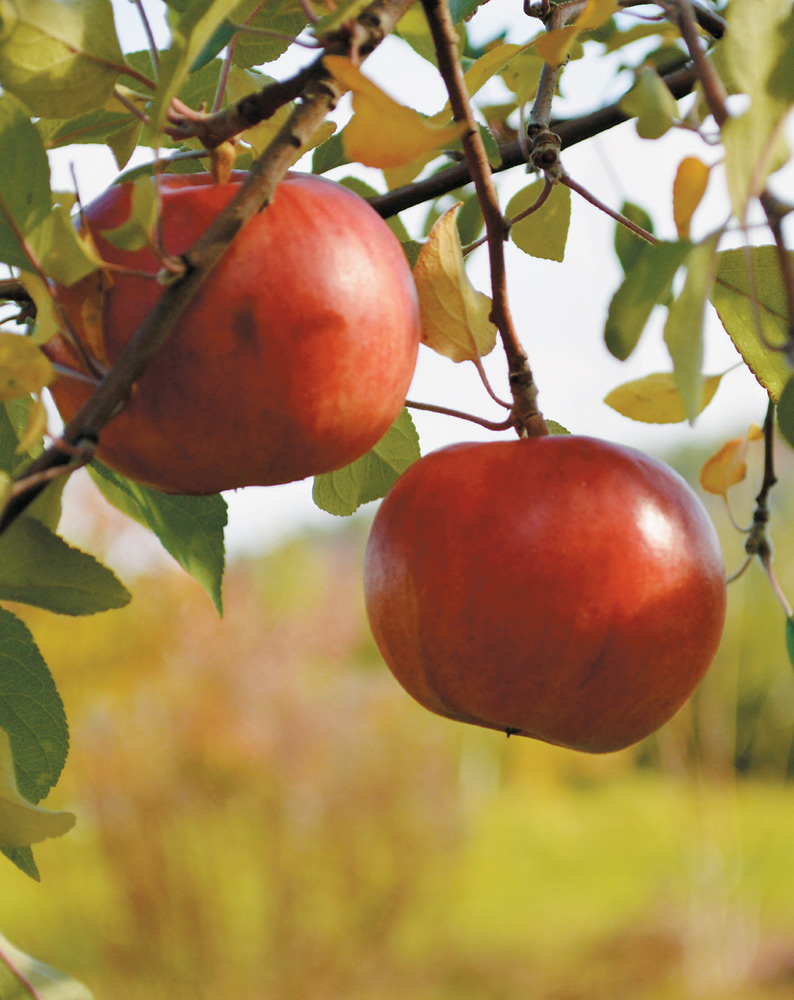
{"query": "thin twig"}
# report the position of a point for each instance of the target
(149, 36)
(491, 425)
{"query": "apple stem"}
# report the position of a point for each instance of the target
(527, 416)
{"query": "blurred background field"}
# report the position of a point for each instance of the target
(263, 813)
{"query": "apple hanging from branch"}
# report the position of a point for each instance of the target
(293, 359)
(558, 587)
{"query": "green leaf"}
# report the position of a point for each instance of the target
(190, 33)
(785, 412)
(555, 428)
(651, 103)
(222, 35)
(414, 29)
(758, 38)
(31, 711)
(25, 199)
(371, 476)
(189, 528)
(543, 233)
(683, 332)
(138, 229)
(346, 10)
(629, 246)
(329, 154)
(18, 969)
(22, 857)
(61, 59)
(732, 297)
(60, 252)
(286, 17)
(469, 219)
(21, 822)
(412, 249)
(790, 639)
(645, 284)
(461, 9)
(37, 567)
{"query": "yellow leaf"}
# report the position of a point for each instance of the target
(22, 823)
(23, 368)
(454, 314)
(48, 320)
(555, 46)
(655, 399)
(728, 466)
(383, 133)
(689, 187)
(35, 429)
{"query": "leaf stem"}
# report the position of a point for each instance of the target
(491, 425)
(588, 196)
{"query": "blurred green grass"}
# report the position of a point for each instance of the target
(263, 813)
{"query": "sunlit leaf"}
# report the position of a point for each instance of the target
(21, 822)
(61, 59)
(344, 11)
(555, 46)
(25, 200)
(656, 399)
(190, 32)
(455, 316)
(544, 233)
(370, 477)
(683, 331)
(23, 367)
(732, 296)
(19, 971)
(651, 103)
(383, 133)
(689, 186)
(137, 230)
(644, 286)
(754, 45)
(48, 321)
(522, 74)
(728, 466)
(189, 528)
(35, 430)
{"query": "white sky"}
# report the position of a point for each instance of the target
(559, 308)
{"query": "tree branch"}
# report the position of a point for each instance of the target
(528, 417)
(318, 98)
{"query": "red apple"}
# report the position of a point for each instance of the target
(558, 587)
(293, 359)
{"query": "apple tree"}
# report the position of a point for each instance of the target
(95, 299)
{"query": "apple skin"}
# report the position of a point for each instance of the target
(562, 588)
(293, 359)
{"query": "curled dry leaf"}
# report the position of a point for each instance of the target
(455, 316)
(728, 466)
(383, 133)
